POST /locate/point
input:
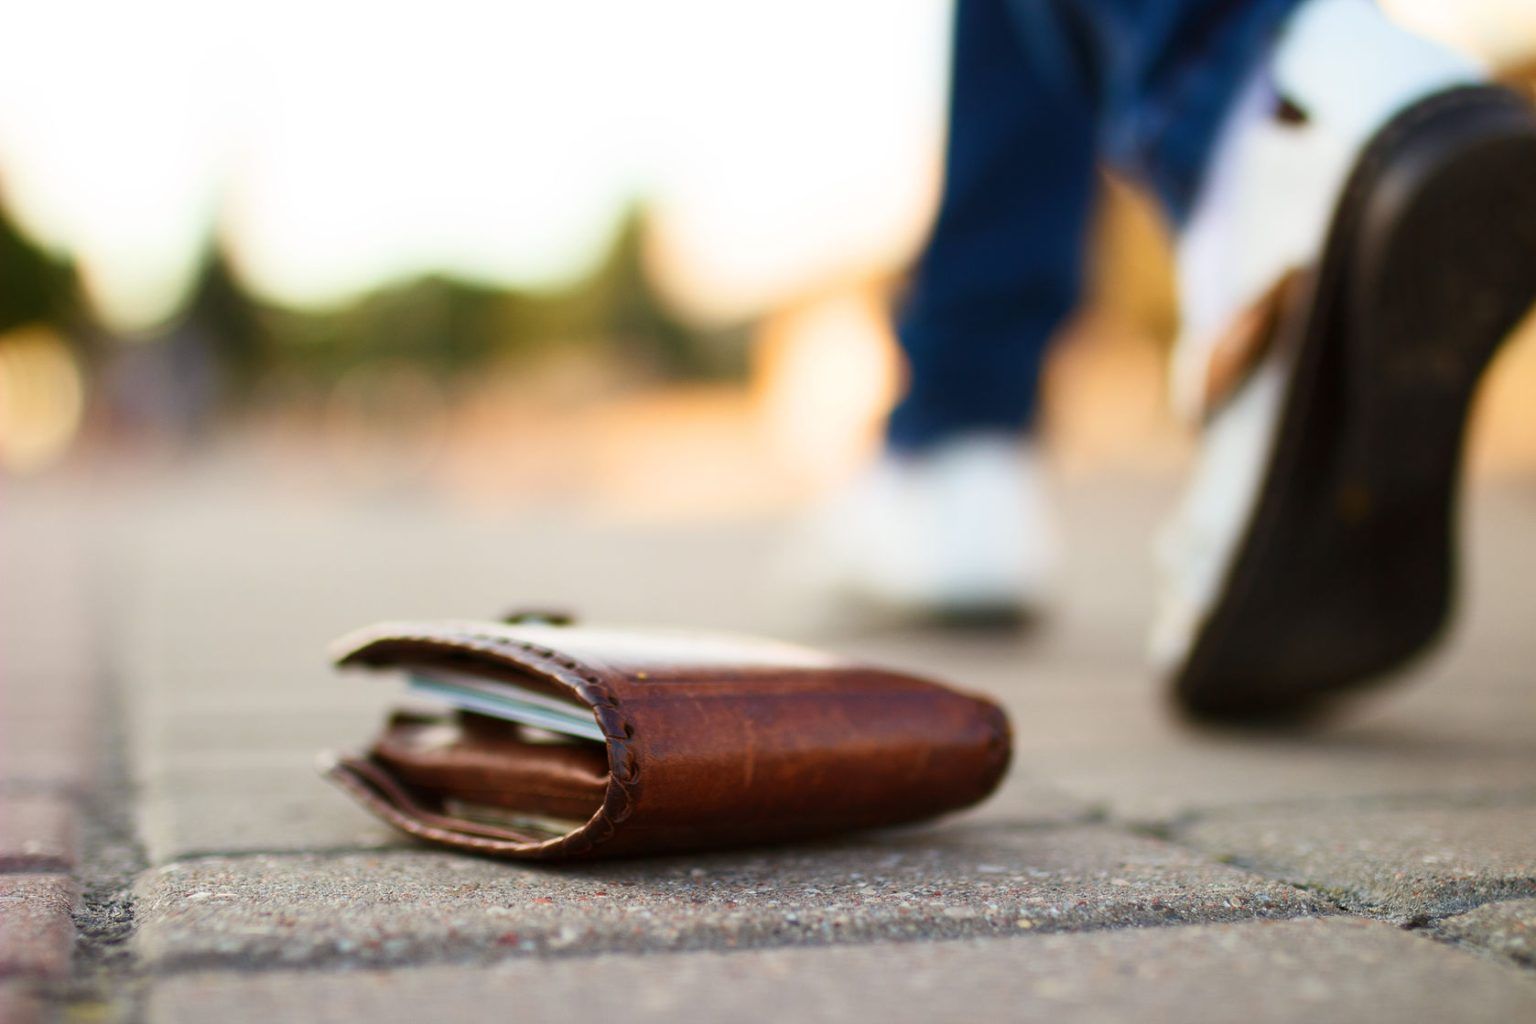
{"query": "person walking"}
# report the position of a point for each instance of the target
(1355, 211)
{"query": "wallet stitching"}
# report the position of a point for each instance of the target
(624, 769)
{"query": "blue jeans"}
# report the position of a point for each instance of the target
(1041, 90)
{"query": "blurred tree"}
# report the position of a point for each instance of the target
(454, 326)
(34, 286)
(627, 309)
(221, 317)
(435, 322)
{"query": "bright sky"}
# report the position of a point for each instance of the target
(343, 144)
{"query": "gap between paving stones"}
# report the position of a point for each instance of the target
(107, 968)
(1350, 903)
(106, 980)
(1354, 902)
(490, 957)
(1324, 902)
(1327, 902)
(1510, 938)
(663, 914)
(1432, 926)
(1429, 926)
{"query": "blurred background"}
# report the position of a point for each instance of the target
(632, 256)
(319, 313)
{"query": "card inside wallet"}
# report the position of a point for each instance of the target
(505, 774)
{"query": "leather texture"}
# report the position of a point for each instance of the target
(710, 741)
(484, 761)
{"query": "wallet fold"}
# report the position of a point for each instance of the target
(707, 741)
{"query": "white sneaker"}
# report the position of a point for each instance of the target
(959, 534)
(1348, 273)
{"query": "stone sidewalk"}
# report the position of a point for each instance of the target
(167, 852)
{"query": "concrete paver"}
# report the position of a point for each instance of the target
(1410, 861)
(37, 933)
(233, 695)
(48, 551)
(402, 907)
(1317, 970)
(1419, 805)
(44, 751)
(266, 804)
(38, 832)
(1027, 798)
(21, 1003)
(1507, 928)
(1166, 778)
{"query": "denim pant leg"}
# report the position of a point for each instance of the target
(1002, 266)
(1038, 88)
(1161, 73)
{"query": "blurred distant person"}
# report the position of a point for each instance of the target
(1356, 219)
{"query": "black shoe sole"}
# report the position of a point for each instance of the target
(1348, 564)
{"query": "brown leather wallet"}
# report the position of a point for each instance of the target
(707, 741)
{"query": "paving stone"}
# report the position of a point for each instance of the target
(48, 720)
(38, 832)
(221, 649)
(256, 802)
(48, 693)
(61, 652)
(37, 933)
(1093, 724)
(232, 675)
(345, 565)
(1104, 740)
(1162, 782)
(20, 1003)
(1410, 861)
(1030, 799)
(1092, 733)
(46, 750)
(180, 737)
(1508, 929)
(227, 781)
(63, 695)
(1282, 971)
(946, 882)
(45, 626)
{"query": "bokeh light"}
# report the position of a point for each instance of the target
(42, 399)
